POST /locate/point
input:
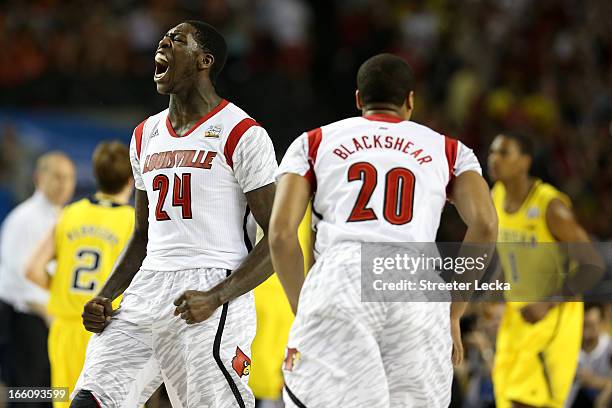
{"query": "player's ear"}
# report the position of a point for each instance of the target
(358, 102)
(205, 61)
(410, 100)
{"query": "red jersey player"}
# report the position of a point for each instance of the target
(201, 168)
(374, 178)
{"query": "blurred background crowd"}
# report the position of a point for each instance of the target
(541, 67)
(72, 71)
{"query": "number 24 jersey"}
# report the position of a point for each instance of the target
(377, 178)
(196, 185)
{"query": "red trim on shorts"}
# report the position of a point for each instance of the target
(204, 118)
(451, 146)
(138, 136)
(234, 137)
(383, 117)
(314, 140)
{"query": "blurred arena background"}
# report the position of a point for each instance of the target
(73, 73)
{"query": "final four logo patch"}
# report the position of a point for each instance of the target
(213, 131)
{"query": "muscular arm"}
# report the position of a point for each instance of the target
(292, 199)
(257, 266)
(36, 268)
(98, 311)
(196, 306)
(470, 195)
(135, 252)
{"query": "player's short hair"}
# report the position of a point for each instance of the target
(385, 78)
(111, 166)
(212, 42)
(524, 142)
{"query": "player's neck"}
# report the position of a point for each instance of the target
(382, 111)
(185, 110)
(517, 190)
(119, 198)
(403, 112)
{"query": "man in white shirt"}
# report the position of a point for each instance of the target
(23, 336)
(593, 383)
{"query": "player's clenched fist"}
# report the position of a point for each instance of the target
(97, 314)
(194, 306)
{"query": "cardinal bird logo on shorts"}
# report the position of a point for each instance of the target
(241, 363)
(293, 357)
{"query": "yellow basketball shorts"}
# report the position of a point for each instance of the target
(67, 347)
(535, 364)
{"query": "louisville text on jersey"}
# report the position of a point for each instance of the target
(199, 159)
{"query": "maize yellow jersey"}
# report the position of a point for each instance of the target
(534, 363)
(532, 264)
(89, 236)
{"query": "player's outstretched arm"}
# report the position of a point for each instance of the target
(195, 306)
(98, 311)
(36, 268)
(292, 197)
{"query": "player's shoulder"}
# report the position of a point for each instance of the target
(77, 205)
(235, 112)
(74, 209)
(497, 192)
(149, 124)
(546, 192)
(233, 122)
(498, 188)
(421, 129)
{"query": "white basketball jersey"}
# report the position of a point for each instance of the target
(196, 185)
(377, 178)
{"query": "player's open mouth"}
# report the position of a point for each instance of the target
(161, 66)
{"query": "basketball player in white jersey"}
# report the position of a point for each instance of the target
(374, 178)
(187, 316)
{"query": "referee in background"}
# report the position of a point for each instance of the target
(24, 360)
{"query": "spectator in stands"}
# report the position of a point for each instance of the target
(593, 384)
(24, 360)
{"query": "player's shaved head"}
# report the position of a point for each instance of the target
(55, 177)
(50, 159)
(211, 42)
(384, 79)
